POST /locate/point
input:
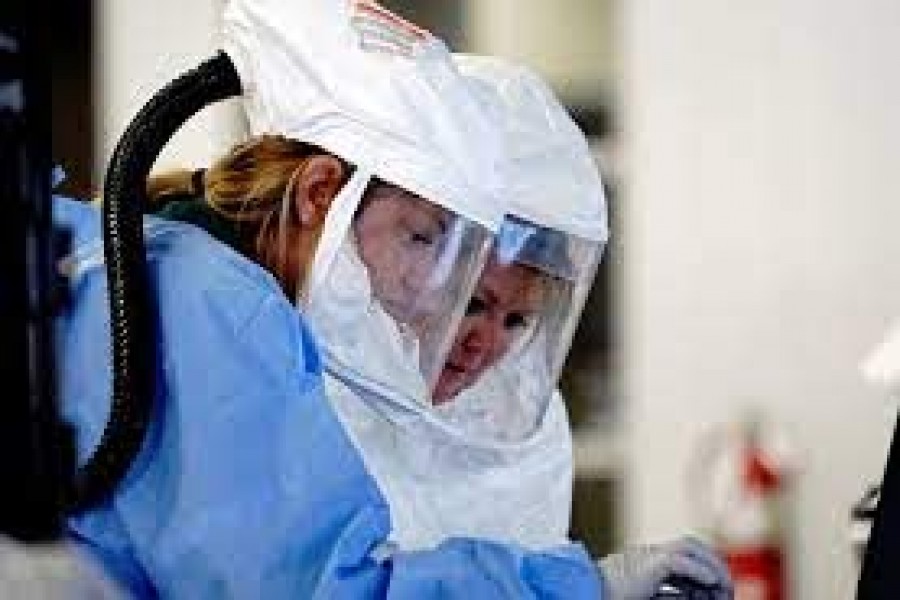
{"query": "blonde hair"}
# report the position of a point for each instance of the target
(246, 184)
(248, 187)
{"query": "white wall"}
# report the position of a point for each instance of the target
(139, 48)
(567, 41)
(761, 228)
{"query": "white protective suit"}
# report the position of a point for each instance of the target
(452, 470)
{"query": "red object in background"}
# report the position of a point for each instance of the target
(757, 559)
(758, 572)
(738, 483)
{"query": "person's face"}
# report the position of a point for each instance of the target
(504, 307)
(400, 237)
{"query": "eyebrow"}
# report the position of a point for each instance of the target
(442, 223)
(490, 296)
(438, 218)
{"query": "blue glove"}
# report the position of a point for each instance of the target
(640, 573)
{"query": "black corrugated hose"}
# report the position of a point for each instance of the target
(132, 308)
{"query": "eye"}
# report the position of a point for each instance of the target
(476, 307)
(515, 321)
(424, 239)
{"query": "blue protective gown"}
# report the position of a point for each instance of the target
(247, 486)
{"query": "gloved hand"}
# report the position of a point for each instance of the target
(638, 573)
(57, 571)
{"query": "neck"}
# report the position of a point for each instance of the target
(288, 258)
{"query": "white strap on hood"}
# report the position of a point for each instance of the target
(336, 226)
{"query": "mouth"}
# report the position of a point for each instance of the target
(451, 380)
(455, 368)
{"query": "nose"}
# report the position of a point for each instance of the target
(483, 342)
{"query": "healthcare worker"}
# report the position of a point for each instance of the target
(493, 427)
(506, 360)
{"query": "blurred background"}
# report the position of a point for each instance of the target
(750, 154)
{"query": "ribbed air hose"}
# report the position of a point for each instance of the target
(132, 307)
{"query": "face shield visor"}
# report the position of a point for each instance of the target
(390, 284)
(506, 359)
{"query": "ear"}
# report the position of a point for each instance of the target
(316, 186)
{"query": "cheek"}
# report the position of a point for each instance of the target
(411, 262)
(368, 246)
(407, 270)
(377, 255)
(500, 344)
(394, 268)
(459, 340)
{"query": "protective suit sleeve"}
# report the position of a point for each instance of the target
(247, 486)
(466, 568)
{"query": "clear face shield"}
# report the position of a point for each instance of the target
(505, 361)
(387, 304)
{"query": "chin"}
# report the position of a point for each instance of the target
(441, 397)
(445, 391)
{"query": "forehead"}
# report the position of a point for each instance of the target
(389, 202)
(513, 284)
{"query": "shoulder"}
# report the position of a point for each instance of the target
(166, 241)
(186, 265)
(197, 281)
(218, 314)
